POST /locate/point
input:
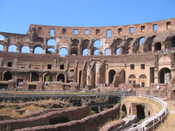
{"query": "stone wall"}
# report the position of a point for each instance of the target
(89, 123)
(70, 114)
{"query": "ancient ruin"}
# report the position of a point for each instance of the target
(122, 61)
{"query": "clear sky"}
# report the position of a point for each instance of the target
(17, 15)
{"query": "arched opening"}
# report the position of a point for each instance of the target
(164, 75)
(122, 76)
(2, 37)
(47, 77)
(51, 42)
(148, 44)
(124, 111)
(118, 51)
(61, 78)
(12, 48)
(107, 52)
(74, 47)
(132, 79)
(170, 42)
(38, 50)
(52, 32)
(141, 41)
(85, 52)
(96, 52)
(25, 49)
(157, 46)
(115, 45)
(63, 51)
(98, 44)
(111, 76)
(50, 51)
(108, 33)
(168, 25)
(142, 79)
(58, 120)
(84, 47)
(1, 47)
(7, 76)
(34, 76)
(140, 111)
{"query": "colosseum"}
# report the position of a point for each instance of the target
(77, 57)
(138, 57)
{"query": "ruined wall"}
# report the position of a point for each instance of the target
(66, 51)
(45, 119)
(89, 123)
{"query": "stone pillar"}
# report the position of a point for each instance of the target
(97, 74)
(156, 76)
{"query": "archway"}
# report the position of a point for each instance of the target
(164, 75)
(142, 79)
(25, 49)
(124, 111)
(111, 76)
(61, 77)
(47, 77)
(34, 76)
(122, 76)
(107, 52)
(157, 46)
(140, 111)
(38, 50)
(63, 51)
(132, 79)
(12, 48)
(7, 76)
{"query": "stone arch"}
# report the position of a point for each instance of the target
(118, 51)
(86, 52)
(111, 75)
(140, 111)
(85, 46)
(38, 49)
(132, 79)
(123, 111)
(48, 77)
(137, 44)
(115, 44)
(63, 51)
(127, 45)
(61, 78)
(25, 49)
(2, 37)
(170, 42)
(96, 52)
(34, 76)
(107, 51)
(7, 75)
(122, 76)
(12, 48)
(142, 80)
(148, 44)
(74, 47)
(164, 75)
(50, 51)
(97, 44)
(51, 42)
(157, 46)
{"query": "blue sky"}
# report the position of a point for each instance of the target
(17, 15)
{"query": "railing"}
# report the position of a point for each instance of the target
(153, 121)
